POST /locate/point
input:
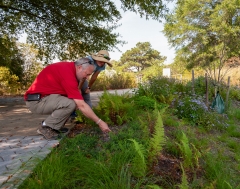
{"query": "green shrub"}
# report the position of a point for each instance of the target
(199, 85)
(115, 109)
(147, 103)
(235, 93)
(161, 88)
(8, 83)
(114, 81)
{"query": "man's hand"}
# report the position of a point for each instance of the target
(104, 127)
(88, 112)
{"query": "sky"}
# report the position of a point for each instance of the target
(135, 29)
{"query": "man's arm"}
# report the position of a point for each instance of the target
(88, 112)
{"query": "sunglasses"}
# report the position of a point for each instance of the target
(106, 56)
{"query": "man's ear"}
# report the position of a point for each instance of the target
(79, 67)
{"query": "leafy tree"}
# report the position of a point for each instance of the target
(179, 65)
(68, 29)
(153, 71)
(31, 66)
(141, 57)
(151, 8)
(20, 59)
(8, 81)
(10, 57)
(206, 34)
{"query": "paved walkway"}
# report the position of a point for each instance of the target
(19, 155)
(21, 152)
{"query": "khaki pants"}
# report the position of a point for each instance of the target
(59, 107)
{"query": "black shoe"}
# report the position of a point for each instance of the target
(62, 130)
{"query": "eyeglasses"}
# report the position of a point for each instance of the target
(88, 62)
(106, 56)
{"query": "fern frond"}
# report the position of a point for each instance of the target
(157, 140)
(197, 155)
(138, 163)
(185, 150)
(184, 184)
(119, 120)
(154, 186)
(144, 127)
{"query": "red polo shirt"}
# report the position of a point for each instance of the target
(57, 78)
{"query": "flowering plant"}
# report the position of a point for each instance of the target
(191, 107)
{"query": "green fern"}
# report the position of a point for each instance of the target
(119, 120)
(186, 151)
(157, 140)
(144, 127)
(138, 164)
(184, 184)
(229, 185)
(196, 155)
(154, 186)
(115, 109)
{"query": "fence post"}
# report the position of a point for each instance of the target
(206, 81)
(228, 89)
(193, 92)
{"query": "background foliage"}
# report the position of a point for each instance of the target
(68, 30)
(205, 34)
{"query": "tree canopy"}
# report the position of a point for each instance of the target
(205, 33)
(10, 57)
(141, 57)
(68, 29)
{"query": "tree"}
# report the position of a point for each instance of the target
(141, 57)
(205, 33)
(10, 57)
(179, 65)
(20, 59)
(31, 66)
(8, 81)
(67, 29)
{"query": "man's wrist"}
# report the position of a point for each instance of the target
(98, 121)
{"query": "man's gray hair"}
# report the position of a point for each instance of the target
(85, 62)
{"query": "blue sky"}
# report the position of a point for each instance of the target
(135, 29)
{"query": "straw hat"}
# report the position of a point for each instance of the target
(102, 56)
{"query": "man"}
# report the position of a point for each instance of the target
(99, 60)
(55, 91)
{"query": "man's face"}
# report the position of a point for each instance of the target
(100, 63)
(83, 74)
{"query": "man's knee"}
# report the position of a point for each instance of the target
(68, 104)
(71, 105)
